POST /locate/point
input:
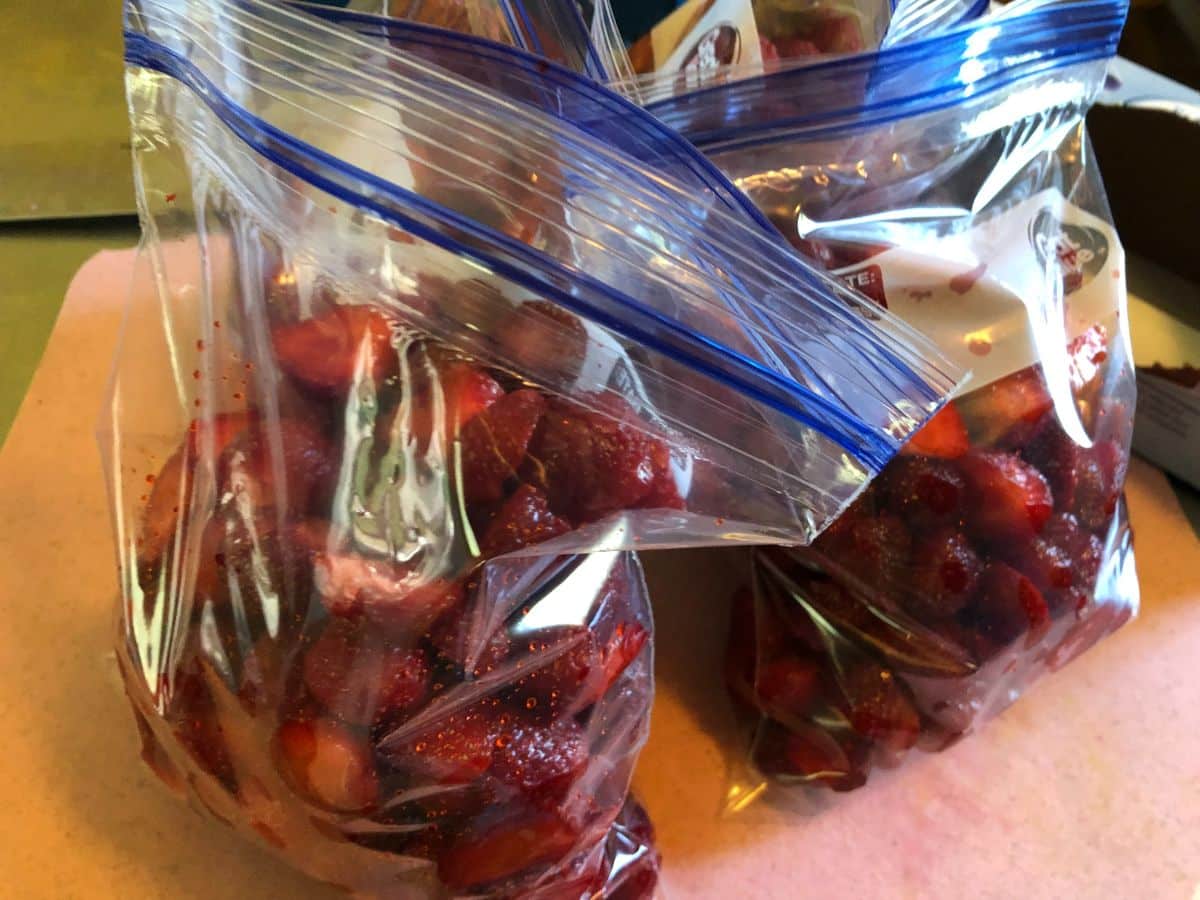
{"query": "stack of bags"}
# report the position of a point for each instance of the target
(459, 311)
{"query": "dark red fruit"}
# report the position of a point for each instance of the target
(1099, 482)
(878, 705)
(943, 436)
(1062, 561)
(591, 463)
(453, 749)
(524, 519)
(664, 488)
(353, 673)
(795, 47)
(1009, 499)
(767, 50)
(579, 675)
(352, 586)
(808, 752)
(839, 34)
(198, 729)
(1006, 413)
(945, 571)
(1007, 605)
(876, 550)
(326, 351)
(542, 761)
(1058, 458)
(494, 443)
(540, 336)
(787, 688)
(505, 843)
(924, 492)
(252, 464)
(329, 764)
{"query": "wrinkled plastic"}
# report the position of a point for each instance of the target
(424, 363)
(995, 548)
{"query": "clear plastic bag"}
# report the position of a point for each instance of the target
(996, 547)
(425, 363)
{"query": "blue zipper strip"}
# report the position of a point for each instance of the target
(630, 119)
(650, 328)
(1018, 46)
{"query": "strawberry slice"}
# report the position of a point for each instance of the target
(523, 520)
(504, 843)
(494, 444)
(355, 675)
(944, 574)
(787, 688)
(876, 550)
(943, 436)
(878, 705)
(542, 761)
(287, 466)
(328, 763)
(1058, 458)
(1007, 605)
(1062, 561)
(1006, 413)
(540, 336)
(172, 489)
(324, 352)
(351, 585)
(455, 749)
(1010, 499)
(590, 464)
(925, 492)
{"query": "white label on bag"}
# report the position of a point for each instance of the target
(1009, 292)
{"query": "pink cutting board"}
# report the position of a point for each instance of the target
(1089, 787)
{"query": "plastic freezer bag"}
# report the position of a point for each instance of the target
(995, 548)
(378, 446)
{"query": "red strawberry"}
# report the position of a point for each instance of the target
(198, 729)
(467, 391)
(446, 392)
(1062, 561)
(328, 763)
(808, 752)
(1007, 412)
(943, 436)
(524, 519)
(504, 842)
(540, 336)
(1009, 499)
(494, 442)
(590, 464)
(324, 352)
(1058, 458)
(1007, 605)
(878, 705)
(352, 672)
(454, 749)
(944, 573)
(925, 492)
(582, 674)
(352, 585)
(1100, 479)
(767, 50)
(795, 47)
(876, 550)
(542, 761)
(839, 34)
(664, 488)
(787, 688)
(172, 487)
(252, 465)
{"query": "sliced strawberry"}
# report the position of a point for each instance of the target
(924, 492)
(786, 688)
(1100, 478)
(767, 50)
(808, 752)
(172, 488)
(944, 574)
(467, 391)
(839, 34)
(542, 761)
(454, 749)
(523, 520)
(1062, 561)
(590, 464)
(351, 585)
(878, 705)
(1006, 413)
(876, 550)
(795, 47)
(328, 763)
(494, 443)
(504, 843)
(540, 336)
(1010, 499)
(1007, 605)
(1058, 458)
(943, 436)
(287, 465)
(355, 675)
(325, 351)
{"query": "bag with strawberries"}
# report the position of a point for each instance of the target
(995, 548)
(424, 363)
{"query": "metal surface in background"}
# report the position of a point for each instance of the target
(64, 148)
